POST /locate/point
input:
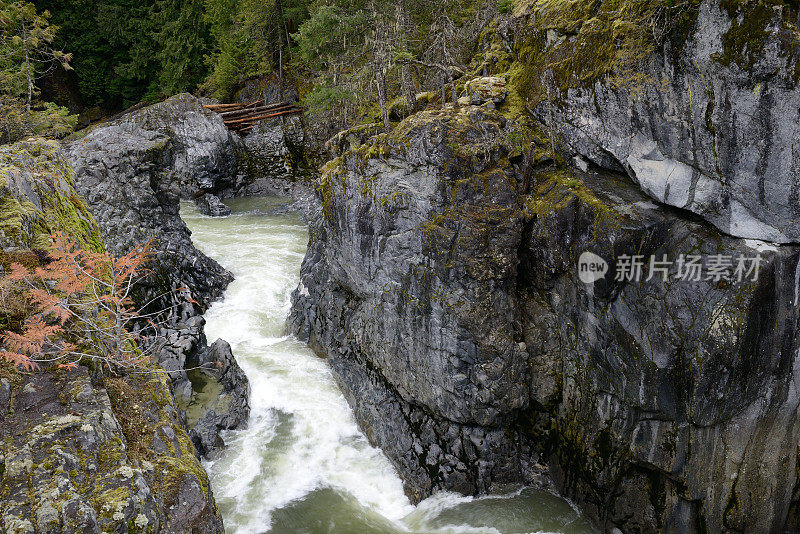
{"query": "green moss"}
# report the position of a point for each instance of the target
(36, 165)
(574, 43)
(557, 188)
(751, 26)
(745, 39)
(494, 58)
(331, 171)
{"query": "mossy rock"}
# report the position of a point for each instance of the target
(38, 198)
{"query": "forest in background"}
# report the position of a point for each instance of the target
(343, 55)
(350, 61)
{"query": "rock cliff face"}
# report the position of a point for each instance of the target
(273, 159)
(133, 173)
(710, 121)
(80, 454)
(442, 283)
(399, 317)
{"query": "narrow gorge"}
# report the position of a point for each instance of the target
(557, 294)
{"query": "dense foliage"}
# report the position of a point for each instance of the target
(82, 309)
(26, 56)
(125, 51)
(349, 55)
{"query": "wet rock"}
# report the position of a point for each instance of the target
(441, 282)
(209, 204)
(220, 400)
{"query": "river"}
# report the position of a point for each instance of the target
(302, 465)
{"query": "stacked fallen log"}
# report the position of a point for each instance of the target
(242, 117)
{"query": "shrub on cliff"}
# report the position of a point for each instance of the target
(47, 120)
(83, 309)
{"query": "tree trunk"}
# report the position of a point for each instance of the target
(379, 63)
(380, 80)
(28, 70)
(406, 82)
(279, 6)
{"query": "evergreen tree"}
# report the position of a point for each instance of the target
(125, 50)
(251, 39)
(26, 51)
(26, 55)
(182, 41)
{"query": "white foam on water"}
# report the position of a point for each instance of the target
(291, 389)
(301, 434)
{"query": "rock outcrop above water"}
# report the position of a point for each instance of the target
(220, 397)
(133, 173)
(372, 299)
(81, 454)
(441, 282)
(209, 204)
(273, 159)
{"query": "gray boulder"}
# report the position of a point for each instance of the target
(133, 172)
(209, 204)
(220, 399)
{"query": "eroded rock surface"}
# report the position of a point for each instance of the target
(441, 282)
(209, 204)
(220, 399)
(68, 463)
(133, 173)
(709, 125)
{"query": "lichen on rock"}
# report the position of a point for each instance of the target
(441, 283)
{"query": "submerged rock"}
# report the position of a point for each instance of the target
(442, 283)
(209, 204)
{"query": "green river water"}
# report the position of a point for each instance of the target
(302, 465)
